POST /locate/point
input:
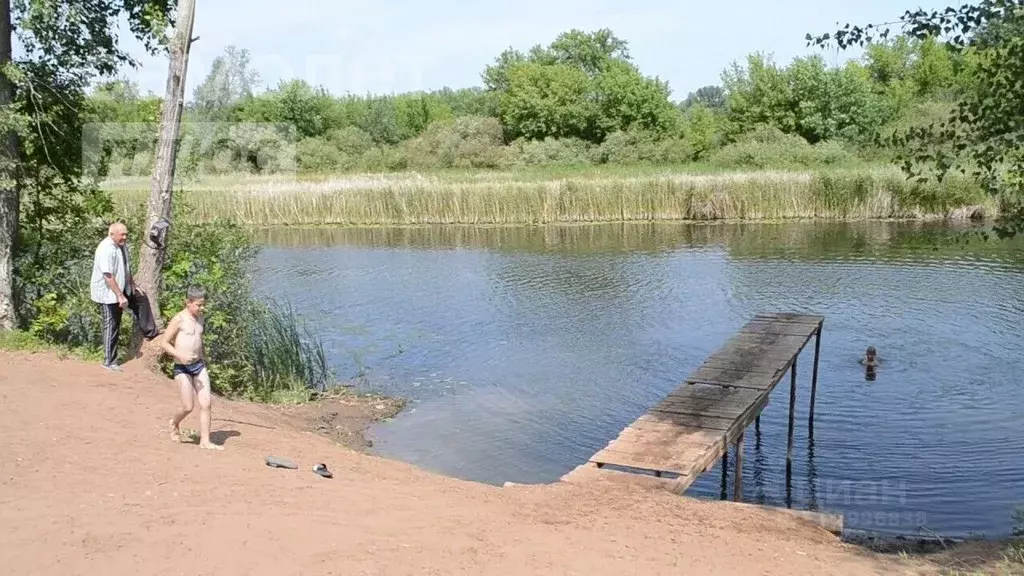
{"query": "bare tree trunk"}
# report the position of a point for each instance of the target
(151, 256)
(9, 197)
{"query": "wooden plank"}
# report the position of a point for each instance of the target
(747, 363)
(747, 417)
(729, 411)
(767, 338)
(706, 462)
(676, 465)
(777, 327)
(690, 436)
(715, 444)
(737, 378)
(590, 472)
(667, 451)
(779, 346)
(728, 406)
(790, 317)
(768, 328)
(686, 420)
(710, 395)
(668, 434)
(712, 392)
(668, 425)
(698, 420)
(772, 356)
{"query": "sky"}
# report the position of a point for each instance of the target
(401, 45)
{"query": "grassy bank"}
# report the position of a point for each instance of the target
(573, 196)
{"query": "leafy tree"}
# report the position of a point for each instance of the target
(230, 80)
(626, 100)
(469, 101)
(415, 111)
(65, 45)
(983, 135)
(758, 94)
(548, 100)
(806, 98)
(312, 111)
(701, 129)
(712, 97)
(582, 85)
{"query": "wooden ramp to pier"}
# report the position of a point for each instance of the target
(684, 434)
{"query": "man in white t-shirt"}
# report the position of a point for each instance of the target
(114, 289)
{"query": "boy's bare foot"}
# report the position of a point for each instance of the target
(175, 432)
(210, 446)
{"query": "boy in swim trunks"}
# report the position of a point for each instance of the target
(183, 340)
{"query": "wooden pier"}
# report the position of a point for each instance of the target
(686, 433)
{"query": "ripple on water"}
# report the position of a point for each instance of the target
(523, 361)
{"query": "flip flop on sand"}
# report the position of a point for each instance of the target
(322, 470)
(275, 462)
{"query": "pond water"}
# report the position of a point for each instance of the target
(524, 350)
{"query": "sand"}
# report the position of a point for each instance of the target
(91, 483)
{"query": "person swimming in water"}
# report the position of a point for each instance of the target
(870, 362)
(870, 358)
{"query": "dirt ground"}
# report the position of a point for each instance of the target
(342, 418)
(91, 483)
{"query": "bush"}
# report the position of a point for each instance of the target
(59, 227)
(639, 147)
(768, 147)
(341, 150)
(351, 141)
(317, 155)
(466, 142)
(551, 152)
(252, 349)
(383, 159)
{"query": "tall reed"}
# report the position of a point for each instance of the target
(505, 198)
(286, 356)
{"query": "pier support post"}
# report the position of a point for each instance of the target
(724, 495)
(814, 381)
(792, 411)
(737, 479)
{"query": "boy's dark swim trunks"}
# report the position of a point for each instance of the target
(192, 369)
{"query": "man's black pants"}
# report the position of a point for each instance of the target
(111, 313)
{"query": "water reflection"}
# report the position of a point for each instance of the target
(525, 349)
(758, 465)
(812, 474)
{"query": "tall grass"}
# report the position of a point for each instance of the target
(287, 358)
(508, 198)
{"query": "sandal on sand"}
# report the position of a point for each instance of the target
(276, 462)
(322, 470)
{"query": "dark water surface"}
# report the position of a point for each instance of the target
(525, 350)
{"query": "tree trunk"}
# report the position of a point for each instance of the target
(151, 256)
(9, 198)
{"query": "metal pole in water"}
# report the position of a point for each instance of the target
(737, 479)
(814, 379)
(792, 411)
(725, 471)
